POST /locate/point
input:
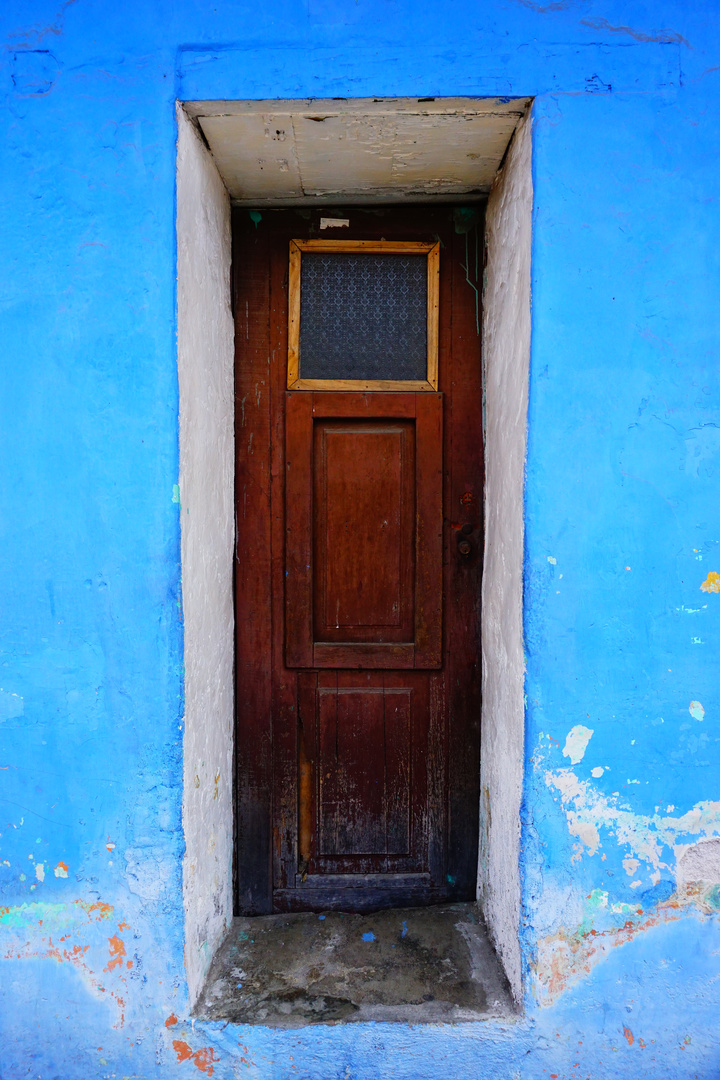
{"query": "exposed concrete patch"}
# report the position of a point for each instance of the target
(416, 965)
(506, 352)
(700, 863)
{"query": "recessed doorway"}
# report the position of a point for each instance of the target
(340, 154)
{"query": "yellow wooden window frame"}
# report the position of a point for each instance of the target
(386, 247)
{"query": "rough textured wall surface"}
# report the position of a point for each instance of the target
(206, 494)
(620, 934)
(506, 359)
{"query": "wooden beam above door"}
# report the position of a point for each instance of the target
(285, 153)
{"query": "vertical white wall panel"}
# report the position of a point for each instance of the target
(506, 356)
(205, 371)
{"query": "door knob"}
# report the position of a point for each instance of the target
(465, 541)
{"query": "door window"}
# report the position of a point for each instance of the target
(363, 315)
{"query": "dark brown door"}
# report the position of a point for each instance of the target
(359, 492)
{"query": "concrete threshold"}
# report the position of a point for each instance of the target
(410, 965)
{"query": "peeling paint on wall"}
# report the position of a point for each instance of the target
(592, 815)
(711, 584)
(75, 934)
(568, 956)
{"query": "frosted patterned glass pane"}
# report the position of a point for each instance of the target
(363, 316)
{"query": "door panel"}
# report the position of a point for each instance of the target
(363, 582)
(364, 526)
(363, 771)
(357, 609)
(363, 804)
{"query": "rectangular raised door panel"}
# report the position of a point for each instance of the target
(364, 530)
(363, 584)
(364, 771)
(364, 751)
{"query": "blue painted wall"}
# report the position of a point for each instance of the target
(623, 526)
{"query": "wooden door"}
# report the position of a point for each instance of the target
(357, 567)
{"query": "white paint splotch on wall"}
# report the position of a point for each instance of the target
(576, 743)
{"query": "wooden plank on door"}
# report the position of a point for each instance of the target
(348, 405)
(429, 576)
(287, 686)
(252, 570)
(398, 755)
(307, 762)
(363, 655)
(352, 766)
(298, 529)
(464, 398)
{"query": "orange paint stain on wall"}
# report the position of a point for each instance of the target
(183, 1051)
(628, 1035)
(202, 1059)
(117, 952)
(171, 1020)
(103, 911)
(565, 958)
(33, 940)
(244, 1059)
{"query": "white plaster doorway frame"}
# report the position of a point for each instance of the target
(206, 485)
